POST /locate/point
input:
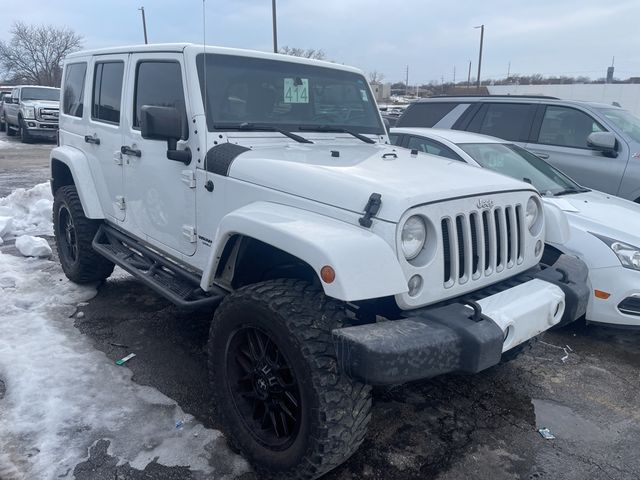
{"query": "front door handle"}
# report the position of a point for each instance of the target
(541, 155)
(92, 139)
(126, 150)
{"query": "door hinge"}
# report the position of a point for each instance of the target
(189, 231)
(189, 178)
(120, 202)
(117, 157)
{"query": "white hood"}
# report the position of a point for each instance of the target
(603, 214)
(346, 181)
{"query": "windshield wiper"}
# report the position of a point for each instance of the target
(571, 190)
(253, 127)
(328, 129)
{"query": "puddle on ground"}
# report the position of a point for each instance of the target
(565, 423)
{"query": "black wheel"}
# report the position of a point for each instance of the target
(279, 396)
(3, 124)
(24, 132)
(74, 233)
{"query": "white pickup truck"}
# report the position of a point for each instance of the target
(263, 187)
(31, 112)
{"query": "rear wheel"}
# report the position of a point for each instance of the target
(3, 124)
(279, 395)
(74, 233)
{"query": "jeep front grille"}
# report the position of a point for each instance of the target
(479, 244)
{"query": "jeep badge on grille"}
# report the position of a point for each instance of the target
(481, 203)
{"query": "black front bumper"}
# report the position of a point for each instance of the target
(448, 337)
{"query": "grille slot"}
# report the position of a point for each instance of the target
(481, 243)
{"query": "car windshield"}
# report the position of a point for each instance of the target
(623, 120)
(34, 93)
(516, 162)
(290, 96)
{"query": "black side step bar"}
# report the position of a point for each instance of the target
(166, 278)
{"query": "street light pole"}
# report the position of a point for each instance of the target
(144, 25)
(481, 27)
(275, 26)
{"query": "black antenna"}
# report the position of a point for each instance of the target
(205, 100)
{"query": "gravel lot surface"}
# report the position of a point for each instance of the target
(582, 383)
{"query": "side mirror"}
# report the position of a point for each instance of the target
(165, 123)
(15, 100)
(604, 142)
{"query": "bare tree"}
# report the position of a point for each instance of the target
(376, 77)
(35, 53)
(316, 54)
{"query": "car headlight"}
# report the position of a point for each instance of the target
(628, 255)
(531, 213)
(413, 237)
(29, 112)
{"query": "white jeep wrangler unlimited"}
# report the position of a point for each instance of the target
(263, 186)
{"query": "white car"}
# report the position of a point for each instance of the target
(262, 187)
(604, 230)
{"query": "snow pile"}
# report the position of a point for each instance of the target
(33, 246)
(27, 212)
(62, 395)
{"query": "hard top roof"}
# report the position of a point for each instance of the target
(199, 48)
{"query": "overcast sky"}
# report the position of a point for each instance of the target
(552, 37)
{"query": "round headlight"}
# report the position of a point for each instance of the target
(414, 234)
(532, 212)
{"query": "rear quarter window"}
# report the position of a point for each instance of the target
(73, 89)
(425, 114)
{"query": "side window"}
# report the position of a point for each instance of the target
(567, 127)
(394, 139)
(158, 83)
(425, 114)
(509, 121)
(431, 146)
(73, 90)
(107, 92)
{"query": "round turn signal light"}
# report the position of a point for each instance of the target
(327, 274)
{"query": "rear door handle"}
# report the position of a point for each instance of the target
(541, 155)
(126, 150)
(92, 139)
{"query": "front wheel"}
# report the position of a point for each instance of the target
(74, 233)
(25, 137)
(278, 393)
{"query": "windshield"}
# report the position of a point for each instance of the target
(623, 120)
(284, 94)
(520, 164)
(34, 93)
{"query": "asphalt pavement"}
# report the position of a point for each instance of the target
(582, 383)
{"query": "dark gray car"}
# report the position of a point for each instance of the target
(596, 144)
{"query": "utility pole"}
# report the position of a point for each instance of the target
(406, 85)
(454, 75)
(509, 70)
(275, 26)
(144, 25)
(469, 76)
(481, 27)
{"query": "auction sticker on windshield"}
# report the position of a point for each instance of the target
(296, 90)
